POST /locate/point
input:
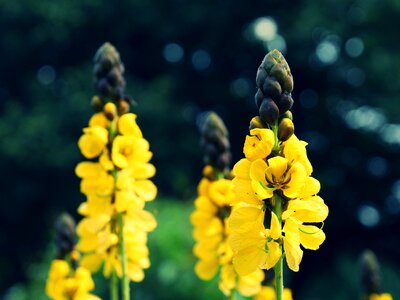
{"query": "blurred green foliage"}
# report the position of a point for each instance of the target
(345, 106)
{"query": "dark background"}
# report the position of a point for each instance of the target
(183, 58)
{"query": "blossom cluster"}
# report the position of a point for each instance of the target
(270, 170)
(211, 233)
(117, 186)
(65, 284)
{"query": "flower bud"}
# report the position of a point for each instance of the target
(285, 103)
(123, 107)
(97, 104)
(370, 273)
(215, 142)
(288, 115)
(256, 123)
(269, 112)
(110, 110)
(109, 72)
(65, 235)
(261, 76)
(272, 88)
(285, 129)
(259, 97)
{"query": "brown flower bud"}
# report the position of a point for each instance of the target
(288, 115)
(256, 123)
(261, 76)
(269, 112)
(123, 107)
(272, 88)
(285, 129)
(259, 97)
(97, 104)
(110, 110)
(65, 235)
(285, 103)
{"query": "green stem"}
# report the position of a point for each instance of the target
(124, 262)
(278, 269)
(275, 130)
(114, 286)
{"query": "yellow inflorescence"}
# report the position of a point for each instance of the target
(272, 168)
(116, 185)
(66, 284)
(380, 297)
(268, 293)
(211, 233)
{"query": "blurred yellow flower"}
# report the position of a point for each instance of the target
(268, 293)
(380, 297)
(64, 283)
(93, 141)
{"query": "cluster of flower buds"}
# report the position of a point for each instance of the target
(215, 142)
(273, 98)
(109, 79)
(65, 235)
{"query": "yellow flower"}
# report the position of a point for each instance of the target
(95, 179)
(93, 141)
(62, 286)
(129, 149)
(294, 150)
(257, 247)
(275, 174)
(259, 143)
(127, 126)
(99, 119)
(311, 210)
(380, 297)
(268, 293)
(221, 192)
(246, 285)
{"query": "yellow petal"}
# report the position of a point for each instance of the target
(293, 253)
(258, 181)
(313, 210)
(99, 119)
(297, 175)
(93, 141)
(242, 169)
(277, 167)
(92, 262)
(243, 217)
(135, 273)
(295, 151)
(244, 191)
(248, 259)
(310, 188)
(259, 144)
(273, 255)
(227, 279)
(253, 237)
(206, 269)
(127, 125)
(145, 189)
(251, 284)
(275, 230)
(311, 237)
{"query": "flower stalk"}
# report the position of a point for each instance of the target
(113, 232)
(122, 251)
(277, 195)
